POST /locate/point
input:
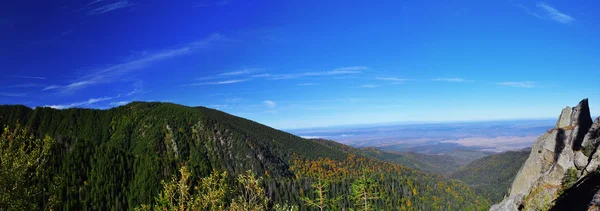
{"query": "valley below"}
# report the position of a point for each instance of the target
(436, 138)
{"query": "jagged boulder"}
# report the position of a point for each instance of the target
(558, 152)
(592, 138)
(590, 145)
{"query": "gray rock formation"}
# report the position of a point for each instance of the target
(570, 148)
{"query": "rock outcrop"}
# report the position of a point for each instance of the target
(559, 158)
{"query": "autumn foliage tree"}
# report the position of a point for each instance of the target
(364, 190)
(177, 196)
(321, 201)
(252, 196)
(23, 165)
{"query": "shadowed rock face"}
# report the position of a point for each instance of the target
(581, 115)
(571, 144)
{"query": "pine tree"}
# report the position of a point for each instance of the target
(320, 187)
(364, 190)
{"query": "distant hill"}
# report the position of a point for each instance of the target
(438, 164)
(491, 176)
(116, 159)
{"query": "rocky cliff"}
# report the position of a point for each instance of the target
(561, 170)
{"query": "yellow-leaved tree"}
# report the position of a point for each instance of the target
(23, 168)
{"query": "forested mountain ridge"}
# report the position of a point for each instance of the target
(488, 176)
(491, 176)
(444, 164)
(117, 158)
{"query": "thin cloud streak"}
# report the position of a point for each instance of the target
(79, 104)
(452, 79)
(219, 82)
(119, 103)
(352, 68)
(93, 2)
(261, 75)
(337, 71)
(546, 12)
(110, 7)
(369, 86)
(554, 14)
(529, 12)
(239, 72)
(519, 84)
(135, 91)
(114, 72)
(51, 87)
(391, 79)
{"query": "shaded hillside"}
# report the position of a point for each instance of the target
(440, 164)
(491, 176)
(466, 156)
(117, 158)
(437, 164)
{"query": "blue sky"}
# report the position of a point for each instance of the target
(295, 64)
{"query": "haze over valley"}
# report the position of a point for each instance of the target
(436, 138)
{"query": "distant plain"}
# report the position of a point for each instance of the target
(436, 138)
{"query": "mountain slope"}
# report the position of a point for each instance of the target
(117, 158)
(437, 164)
(492, 175)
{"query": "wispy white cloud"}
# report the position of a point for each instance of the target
(12, 94)
(51, 87)
(519, 84)
(109, 7)
(115, 72)
(135, 91)
(554, 14)
(352, 68)
(79, 104)
(239, 72)
(93, 2)
(529, 11)
(28, 77)
(545, 11)
(337, 71)
(307, 84)
(391, 79)
(119, 103)
(370, 86)
(233, 81)
(269, 104)
(261, 75)
(452, 79)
